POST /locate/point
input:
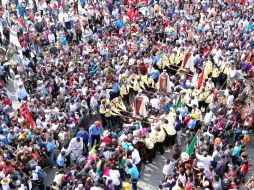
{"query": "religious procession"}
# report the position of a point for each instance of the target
(95, 92)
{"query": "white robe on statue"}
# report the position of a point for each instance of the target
(139, 105)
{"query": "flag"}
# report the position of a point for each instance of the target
(191, 147)
(188, 62)
(29, 116)
(200, 80)
(179, 102)
(131, 13)
(186, 58)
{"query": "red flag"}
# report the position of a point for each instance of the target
(138, 103)
(29, 116)
(200, 80)
(186, 58)
(143, 1)
(131, 13)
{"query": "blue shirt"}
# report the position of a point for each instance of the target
(183, 111)
(237, 150)
(84, 136)
(178, 125)
(3, 139)
(155, 74)
(115, 88)
(95, 130)
(60, 160)
(50, 146)
(192, 124)
(134, 172)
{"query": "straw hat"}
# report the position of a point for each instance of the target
(20, 83)
(5, 181)
(200, 165)
(17, 76)
(185, 156)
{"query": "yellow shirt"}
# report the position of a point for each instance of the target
(150, 82)
(169, 128)
(197, 113)
(215, 72)
(149, 143)
(124, 90)
(208, 69)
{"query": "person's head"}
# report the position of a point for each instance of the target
(97, 123)
(129, 165)
(78, 139)
(204, 153)
(167, 161)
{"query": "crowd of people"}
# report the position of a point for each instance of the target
(104, 87)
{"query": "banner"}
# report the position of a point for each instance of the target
(191, 147)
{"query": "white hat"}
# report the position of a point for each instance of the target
(17, 76)
(5, 181)
(206, 184)
(200, 165)
(20, 83)
(185, 156)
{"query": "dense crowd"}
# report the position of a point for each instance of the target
(104, 87)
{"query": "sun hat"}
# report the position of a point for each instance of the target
(5, 181)
(200, 165)
(185, 156)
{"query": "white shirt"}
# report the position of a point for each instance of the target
(74, 145)
(155, 102)
(55, 126)
(205, 160)
(230, 100)
(22, 93)
(73, 107)
(208, 118)
(135, 156)
(115, 175)
(210, 85)
(51, 38)
(66, 17)
(25, 62)
(193, 102)
(6, 187)
(168, 168)
(61, 135)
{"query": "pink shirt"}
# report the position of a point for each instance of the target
(106, 171)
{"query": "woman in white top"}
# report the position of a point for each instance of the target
(114, 174)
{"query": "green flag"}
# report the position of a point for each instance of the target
(191, 147)
(179, 102)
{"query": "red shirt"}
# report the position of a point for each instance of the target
(106, 140)
(245, 168)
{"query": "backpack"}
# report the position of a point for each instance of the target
(41, 174)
